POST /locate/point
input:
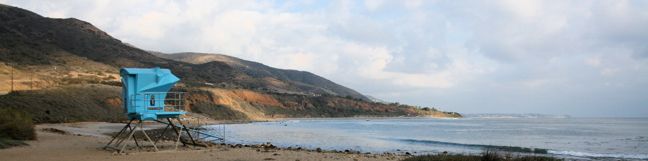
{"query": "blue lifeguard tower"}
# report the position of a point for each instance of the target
(145, 92)
(146, 97)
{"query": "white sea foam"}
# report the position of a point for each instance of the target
(513, 116)
(599, 155)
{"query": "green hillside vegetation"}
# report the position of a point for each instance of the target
(69, 103)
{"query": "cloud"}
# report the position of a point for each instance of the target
(373, 4)
(558, 57)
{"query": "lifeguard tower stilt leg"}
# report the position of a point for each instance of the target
(127, 133)
(188, 133)
(178, 133)
(118, 134)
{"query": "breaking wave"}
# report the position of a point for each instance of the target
(527, 150)
(478, 146)
(598, 155)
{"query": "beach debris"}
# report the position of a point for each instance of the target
(55, 130)
(236, 146)
(268, 145)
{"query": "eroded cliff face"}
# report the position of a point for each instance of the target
(254, 105)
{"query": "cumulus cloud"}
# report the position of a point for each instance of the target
(558, 57)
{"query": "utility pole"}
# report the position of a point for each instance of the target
(31, 81)
(12, 78)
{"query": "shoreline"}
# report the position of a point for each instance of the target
(218, 122)
(513, 150)
(367, 117)
(85, 140)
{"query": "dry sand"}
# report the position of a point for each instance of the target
(84, 142)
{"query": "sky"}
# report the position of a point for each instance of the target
(559, 57)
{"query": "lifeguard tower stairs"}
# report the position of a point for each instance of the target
(146, 98)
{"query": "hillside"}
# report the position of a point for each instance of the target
(71, 66)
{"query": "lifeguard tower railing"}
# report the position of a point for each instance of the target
(171, 101)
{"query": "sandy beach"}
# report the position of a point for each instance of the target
(84, 141)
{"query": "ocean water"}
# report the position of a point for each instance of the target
(576, 138)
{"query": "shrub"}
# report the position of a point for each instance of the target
(15, 126)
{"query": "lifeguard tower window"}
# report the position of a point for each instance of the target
(152, 100)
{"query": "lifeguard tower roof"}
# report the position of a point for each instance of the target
(146, 93)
